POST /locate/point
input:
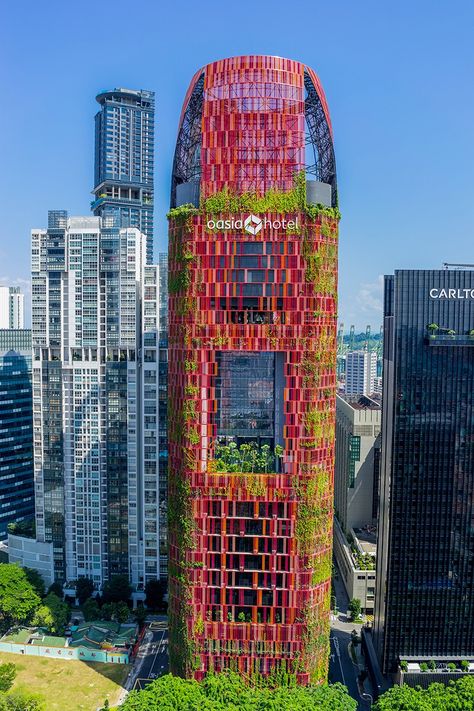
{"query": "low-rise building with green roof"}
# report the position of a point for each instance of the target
(98, 641)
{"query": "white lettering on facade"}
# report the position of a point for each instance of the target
(451, 293)
(253, 224)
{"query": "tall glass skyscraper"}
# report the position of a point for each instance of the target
(95, 384)
(16, 429)
(425, 571)
(124, 159)
(252, 371)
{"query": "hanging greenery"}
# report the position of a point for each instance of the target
(246, 458)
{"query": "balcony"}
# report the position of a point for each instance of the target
(446, 340)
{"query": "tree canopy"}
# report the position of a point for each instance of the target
(19, 701)
(53, 613)
(355, 608)
(117, 589)
(18, 598)
(117, 611)
(91, 610)
(155, 590)
(84, 589)
(7, 676)
(36, 579)
(455, 696)
(229, 692)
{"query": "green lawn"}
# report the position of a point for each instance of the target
(68, 685)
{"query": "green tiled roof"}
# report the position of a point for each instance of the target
(94, 635)
(49, 641)
(19, 636)
(90, 634)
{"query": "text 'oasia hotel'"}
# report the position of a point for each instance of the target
(252, 371)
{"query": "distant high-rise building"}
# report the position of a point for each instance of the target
(358, 423)
(252, 371)
(16, 429)
(378, 385)
(356, 494)
(163, 410)
(11, 307)
(361, 370)
(95, 385)
(124, 159)
(425, 573)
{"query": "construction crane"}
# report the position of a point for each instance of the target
(380, 344)
(351, 338)
(367, 338)
(340, 340)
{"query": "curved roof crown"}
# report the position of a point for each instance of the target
(250, 123)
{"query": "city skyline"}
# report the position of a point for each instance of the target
(393, 103)
(237, 374)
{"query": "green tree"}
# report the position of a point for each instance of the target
(121, 612)
(226, 691)
(53, 614)
(117, 589)
(23, 528)
(139, 615)
(355, 608)
(455, 696)
(57, 589)
(90, 610)
(36, 580)
(18, 598)
(402, 698)
(84, 589)
(59, 611)
(43, 617)
(19, 701)
(7, 676)
(107, 611)
(154, 591)
(118, 611)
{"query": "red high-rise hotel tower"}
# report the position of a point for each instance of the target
(252, 371)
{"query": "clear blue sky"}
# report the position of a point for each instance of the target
(398, 77)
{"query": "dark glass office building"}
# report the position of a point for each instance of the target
(425, 589)
(124, 159)
(16, 429)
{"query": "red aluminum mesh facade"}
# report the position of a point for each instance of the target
(253, 124)
(252, 139)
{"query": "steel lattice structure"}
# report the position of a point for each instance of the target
(187, 163)
(320, 139)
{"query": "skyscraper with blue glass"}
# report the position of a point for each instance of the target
(124, 157)
(16, 429)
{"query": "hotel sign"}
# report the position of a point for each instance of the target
(253, 224)
(451, 293)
